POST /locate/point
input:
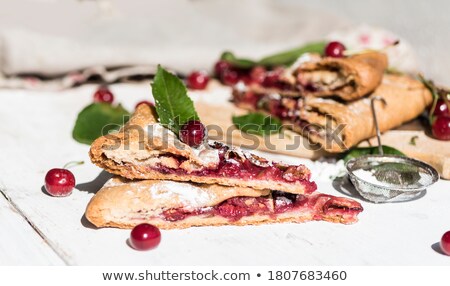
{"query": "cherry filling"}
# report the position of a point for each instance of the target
(247, 167)
(279, 202)
(238, 207)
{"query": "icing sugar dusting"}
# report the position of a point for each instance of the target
(189, 195)
(113, 182)
(207, 156)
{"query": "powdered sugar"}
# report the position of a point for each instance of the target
(187, 194)
(113, 182)
(370, 177)
(366, 176)
(208, 156)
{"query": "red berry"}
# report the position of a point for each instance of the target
(193, 133)
(144, 102)
(59, 182)
(245, 78)
(271, 79)
(445, 243)
(103, 94)
(145, 236)
(197, 80)
(441, 109)
(257, 74)
(230, 77)
(220, 67)
(441, 128)
(335, 50)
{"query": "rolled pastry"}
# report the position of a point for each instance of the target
(346, 78)
(338, 125)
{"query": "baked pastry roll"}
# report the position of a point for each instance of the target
(347, 78)
(167, 205)
(144, 149)
(336, 125)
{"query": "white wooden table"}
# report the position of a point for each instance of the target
(36, 229)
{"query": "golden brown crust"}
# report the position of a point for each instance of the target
(129, 154)
(124, 204)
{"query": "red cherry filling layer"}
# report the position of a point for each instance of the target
(247, 167)
(234, 209)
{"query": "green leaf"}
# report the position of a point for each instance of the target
(237, 62)
(289, 57)
(173, 105)
(357, 152)
(257, 123)
(98, 119)
(285, 58)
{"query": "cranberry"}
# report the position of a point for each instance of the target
(441, 109)
(220, 67)
(441, 128)
(445, 243)
(230, 77)
(197, 80)
(335, 50)
(257, 74)
(103, 94)
(144, 102)
(145, 236)
(59, 182)
(193, 133)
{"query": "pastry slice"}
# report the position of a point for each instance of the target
(346, 78)
(168, 205)
(144, 149)
(338, 126)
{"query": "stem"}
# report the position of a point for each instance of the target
(446, 97)
(430, 85)
(72, 164)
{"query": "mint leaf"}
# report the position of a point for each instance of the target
(357, 152)
(289, 57)
(173, 105)
(257, 123)
(237, 62)
(98, 119)
(285, 58)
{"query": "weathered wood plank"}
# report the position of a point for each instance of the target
(20, 244)
(40, 140)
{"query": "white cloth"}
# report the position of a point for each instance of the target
(181, 35)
